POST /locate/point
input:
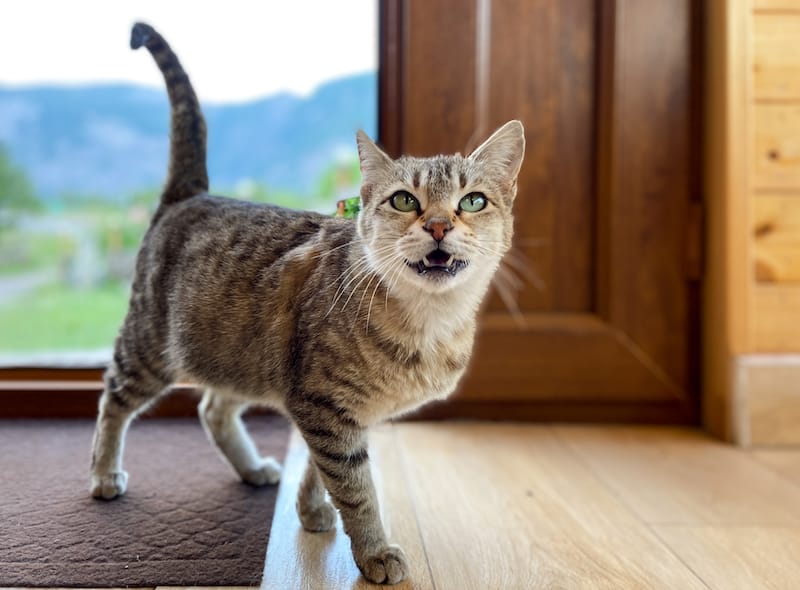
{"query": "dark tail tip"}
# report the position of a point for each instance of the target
(141, 34)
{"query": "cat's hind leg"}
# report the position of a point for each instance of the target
(222, 420)
(315, 512)
(129, 388)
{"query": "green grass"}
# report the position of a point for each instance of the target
(20, 253)
(54, 318)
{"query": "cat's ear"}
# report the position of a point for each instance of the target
(502, 153)
(376, 166)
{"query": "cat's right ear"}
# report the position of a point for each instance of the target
(502, 153)
(376, 166)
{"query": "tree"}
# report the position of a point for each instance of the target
(340, 179)
(16, 192)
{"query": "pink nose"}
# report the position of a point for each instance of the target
(438, 226)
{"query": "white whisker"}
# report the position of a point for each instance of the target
(365, 274)
(364, 294)
(369, 309)
(353, 271)
(509, 299)
(393, 281)
(356, 269)
(517, 261)
(508, 275)
(350, 243)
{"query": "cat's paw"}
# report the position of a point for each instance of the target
(267, 473)
(388, 566)
(320, 519)
(108, 486)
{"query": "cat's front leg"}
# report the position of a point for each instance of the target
(315, 512)
(339, 452)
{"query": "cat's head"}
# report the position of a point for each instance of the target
(443, 222)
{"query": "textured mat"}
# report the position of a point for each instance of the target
(185, 520)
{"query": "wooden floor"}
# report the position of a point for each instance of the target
(501, 506)
(494, 506)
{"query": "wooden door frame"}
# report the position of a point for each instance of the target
(726, 290)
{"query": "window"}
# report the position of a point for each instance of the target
(83, 143)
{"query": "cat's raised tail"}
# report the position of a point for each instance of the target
(188, 175)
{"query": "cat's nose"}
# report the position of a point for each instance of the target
(438, 226)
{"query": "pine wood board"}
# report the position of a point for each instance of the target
(776, 56)
(782, 6)
(776, 157)
(775, 318)
(775, 228)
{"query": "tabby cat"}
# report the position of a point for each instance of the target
(338, 324)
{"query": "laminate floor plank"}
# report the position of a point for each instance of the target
(510, 507)
(738, 558)
(785, 462)
(682, 476)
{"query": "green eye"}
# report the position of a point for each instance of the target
(404, 201)
(473, 203)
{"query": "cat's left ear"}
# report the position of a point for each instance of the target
(502, 153)
(376, 166)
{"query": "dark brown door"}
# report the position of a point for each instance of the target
(605, 216)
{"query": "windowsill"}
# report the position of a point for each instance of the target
(83, 359)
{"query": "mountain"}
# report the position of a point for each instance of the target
(112, 140)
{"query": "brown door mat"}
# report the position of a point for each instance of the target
(186, 519)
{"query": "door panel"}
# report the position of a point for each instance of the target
(604, 89)
(544, 75)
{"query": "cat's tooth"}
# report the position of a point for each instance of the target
(426, 261)
(450, 260)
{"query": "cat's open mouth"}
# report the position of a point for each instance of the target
(438, 261)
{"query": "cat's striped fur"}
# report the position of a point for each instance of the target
(335, 323)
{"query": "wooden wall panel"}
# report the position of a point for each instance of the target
(776, 147)
(775, 200)
(776, 238)
(776, 56)
(776, 318)
(752, 294)
(776, 5)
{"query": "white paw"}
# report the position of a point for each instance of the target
(109, 485)
(268, 473)
(320, 519)
(388, 566)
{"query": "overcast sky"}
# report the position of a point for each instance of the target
(234, 50)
